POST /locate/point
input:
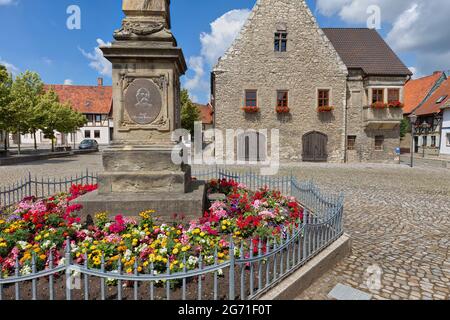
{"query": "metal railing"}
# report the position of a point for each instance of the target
(40, 187)
(253, 270)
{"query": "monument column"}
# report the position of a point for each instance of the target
(138, 171)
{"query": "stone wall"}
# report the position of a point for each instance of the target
(310, 63)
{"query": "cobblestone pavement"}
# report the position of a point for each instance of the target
(398, 218)
(52, 168)
(399, 221)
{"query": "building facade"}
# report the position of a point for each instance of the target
(316, 86)
(95, 102)
(445, 133)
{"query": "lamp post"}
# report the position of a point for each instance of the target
(412, 121)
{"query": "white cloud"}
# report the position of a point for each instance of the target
(68, 82)
(98, 61)
(223, 32)
(213, 45)
(10, 67)
(47, 61)
(7, 2)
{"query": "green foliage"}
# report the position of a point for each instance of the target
(5, 98)
(56, 116)
(404, 127)
(189, 112)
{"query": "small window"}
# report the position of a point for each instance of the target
(90, 117)
(351, 143)
(97, 134)
(87, 134)
(251, 98)
(379, 143)
(282, 99)
(323, 98)
(377, 95)
(393, 95)
(441, 99)
(98, 118)
(280, 42)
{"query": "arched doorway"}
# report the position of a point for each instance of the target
(315, 147)
(252, 146)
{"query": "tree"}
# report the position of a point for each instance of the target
(57, 116)
(189, 112)
(404, 127)
(5, 99)
(26, 91)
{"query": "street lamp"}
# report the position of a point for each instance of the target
(412, 121)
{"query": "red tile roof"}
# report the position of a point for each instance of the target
(206, 112)
(85, 99)
(417, 90)
(431, 106)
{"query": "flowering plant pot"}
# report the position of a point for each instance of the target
(379, 105)
(395, 104)
(282, 110)
(251, 109)
(325, 109)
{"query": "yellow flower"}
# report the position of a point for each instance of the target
(196, 231)
(129, 270)
(181, 265)
(2, 221)
(165, 260)
(145, 264)
(46, 235)
(37, 238)
(224, 227)
(185, 248)
(175, 251)
(151, 257)
(202, 234)
(93, 248)
(42, 256)
(178, 232)
(139, 269)
(220, 255)
(159, 258)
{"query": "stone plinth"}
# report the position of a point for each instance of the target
(131, 204)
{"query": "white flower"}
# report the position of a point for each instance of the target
(22, 244)
(127, 255)
(163, 250)
(62, 262)
(26, 269)
(220, 272)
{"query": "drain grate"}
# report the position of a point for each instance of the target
(342, 292)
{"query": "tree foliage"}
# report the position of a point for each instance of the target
(189, 112)
(404, 127)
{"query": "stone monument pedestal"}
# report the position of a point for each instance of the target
(140, 178)
(139, 173)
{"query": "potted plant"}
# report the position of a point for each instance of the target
(325, 109)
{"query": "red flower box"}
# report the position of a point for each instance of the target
(282, 110)
(251, 109)
(379, 105)
(395, 104)
(325, 109)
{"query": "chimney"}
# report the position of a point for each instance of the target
(100, 82)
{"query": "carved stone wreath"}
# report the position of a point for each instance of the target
(138, 28)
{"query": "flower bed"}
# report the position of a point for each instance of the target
(282, 110)
(38, 227)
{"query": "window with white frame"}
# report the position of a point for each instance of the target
(448, 139)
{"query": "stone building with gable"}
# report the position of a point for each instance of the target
(334, 94)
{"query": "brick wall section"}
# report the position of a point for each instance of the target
(310, 63)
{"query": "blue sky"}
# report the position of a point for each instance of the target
(35, 36)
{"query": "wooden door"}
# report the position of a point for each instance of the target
(315, 147)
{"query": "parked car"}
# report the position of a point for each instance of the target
(88, 144)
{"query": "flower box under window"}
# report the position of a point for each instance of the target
(323, 109)
(379, 105)
(282, 110)
(251, 109)
(395, 104)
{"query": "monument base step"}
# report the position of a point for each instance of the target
(166, 204)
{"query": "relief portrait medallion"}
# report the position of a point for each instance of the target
(143, 101)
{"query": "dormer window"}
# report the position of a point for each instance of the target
(280, 41)
(441, 99)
